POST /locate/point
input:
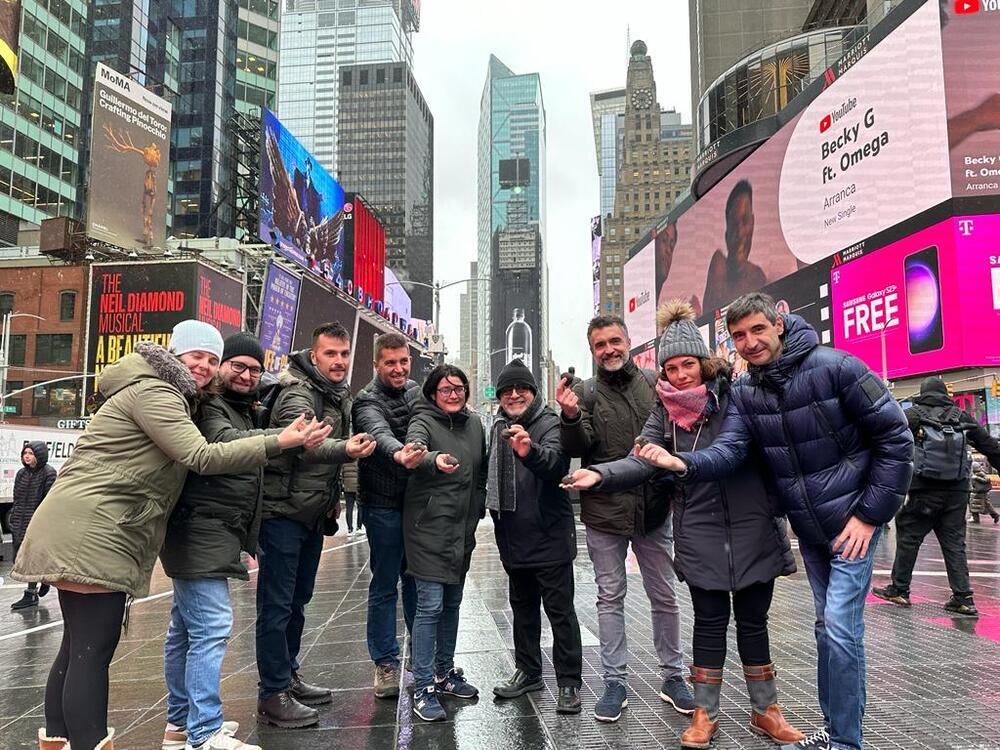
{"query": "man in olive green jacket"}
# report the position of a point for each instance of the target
(301, 498)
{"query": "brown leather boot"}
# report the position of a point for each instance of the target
(707, 685)
(766, 718)
(51, 743)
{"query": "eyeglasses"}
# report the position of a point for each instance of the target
(239, 368)
(458, 390)
(512, 389)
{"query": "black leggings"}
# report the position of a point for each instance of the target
(76, 695)
(711, 620)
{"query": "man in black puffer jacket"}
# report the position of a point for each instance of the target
(936, 503)
(383, 410)
(839, 452)
(31, 485)
(536, 535)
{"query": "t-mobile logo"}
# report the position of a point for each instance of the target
(965, 226)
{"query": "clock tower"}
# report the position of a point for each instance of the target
(654, 162)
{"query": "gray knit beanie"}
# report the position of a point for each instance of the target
(681, 336)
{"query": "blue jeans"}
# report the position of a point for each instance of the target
(288, 560)
(435, 630)
(839, 589)
(201, 620)
(388, 563)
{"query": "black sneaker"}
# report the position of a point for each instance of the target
(675, 692)
(30, 599)
(518, 684)
(962, 606)
(609, 707)
(817, 741)
(891, 594)
(427, 706)
(454, 683)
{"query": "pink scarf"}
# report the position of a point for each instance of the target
(684, 408)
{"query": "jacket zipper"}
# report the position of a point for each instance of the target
(729, 536)
(798, 470)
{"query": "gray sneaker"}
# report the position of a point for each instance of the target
(675, 692)
(387, 680)
(609, 707)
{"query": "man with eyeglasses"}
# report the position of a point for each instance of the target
(215, 518)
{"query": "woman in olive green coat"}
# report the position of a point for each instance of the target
(96, 535)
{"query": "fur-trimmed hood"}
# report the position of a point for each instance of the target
(147, 361)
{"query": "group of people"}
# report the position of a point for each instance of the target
(188, 458)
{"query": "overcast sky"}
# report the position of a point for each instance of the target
(576, 47)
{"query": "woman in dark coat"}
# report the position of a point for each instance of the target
(445, 498)
(729, 544)
(31, 485)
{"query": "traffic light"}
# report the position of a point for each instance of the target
(995, 389)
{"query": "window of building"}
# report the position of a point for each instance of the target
(380, 75)
(53, 348)
(15, 401)
(363, 77)
(18, 343)
(67, 305)
(56, 400)
(346, 78)
(397, 75)
(6, 302)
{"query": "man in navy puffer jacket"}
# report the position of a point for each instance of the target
(839, 452)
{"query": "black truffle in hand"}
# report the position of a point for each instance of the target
(568, 479)
(450, 461)
(418, 445)
(507, 434)
(309, 414)
(365, 438)
(641, 441)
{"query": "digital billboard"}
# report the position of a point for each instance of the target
(279, 298)
(364, 253)
(927, 303)
(363, 355)
(397, 301)
(220, 301)
(870, 150)
(595, 260)
(301, 206)
(638, 294)
(318, 305)
(129, 163)
(10, 25)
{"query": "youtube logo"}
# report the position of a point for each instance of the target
(963, 7)
(825, 123)
(631, 305)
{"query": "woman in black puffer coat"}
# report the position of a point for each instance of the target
(729, 543)
(31, 485)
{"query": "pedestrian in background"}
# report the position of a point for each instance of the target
(445, 498)
(96, 535)
(979, 501)
(31, 484)
(349, 477)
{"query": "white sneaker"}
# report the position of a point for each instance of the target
(176, 739)
(222, 741)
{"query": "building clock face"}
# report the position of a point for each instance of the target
(642, 98)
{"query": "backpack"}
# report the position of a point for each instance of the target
(940, 449)
(590, 388)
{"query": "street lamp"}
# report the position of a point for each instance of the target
(5, 357)
(437, 287)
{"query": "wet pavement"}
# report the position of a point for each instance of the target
(934, 680)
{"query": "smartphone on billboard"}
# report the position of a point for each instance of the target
(924, 321)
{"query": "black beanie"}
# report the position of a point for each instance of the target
(243, 344)
(515, 373)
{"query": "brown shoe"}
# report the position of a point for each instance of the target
(51, 743)
(699, 735)
(282, 710)
(386, 680)
(775, 726)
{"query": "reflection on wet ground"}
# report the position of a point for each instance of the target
(925, 669)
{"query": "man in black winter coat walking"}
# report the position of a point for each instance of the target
(31, 485)
(938, 495)
(536, 535)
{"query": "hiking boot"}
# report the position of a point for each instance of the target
(454, 683)
(964, 606)
(51, 743)
(817, 741)
(427, 706)
(891, 594)
(30, 599)
(517, 684)
(569, 701)
(282, 710)
(386, 680)
(675, 692)
(175, 738)
(609, 706)
(221, 740)
(308, 695)
(700, 732)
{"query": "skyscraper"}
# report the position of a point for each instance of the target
(513, 314)
(469, 313)
(607, 109)
(41, 125)
(257, 56)
(385, 139)
(318, 37)
(654, 169)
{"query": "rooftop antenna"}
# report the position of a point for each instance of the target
(628, 41)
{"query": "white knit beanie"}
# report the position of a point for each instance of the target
(196, 336)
